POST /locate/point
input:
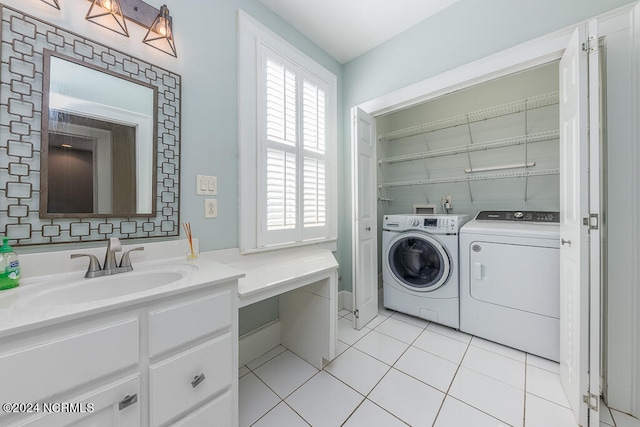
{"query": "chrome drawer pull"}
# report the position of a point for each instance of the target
(127, 401)
(565, 242)
(197, 380)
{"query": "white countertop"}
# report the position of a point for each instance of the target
(269, 273)
(259, 275)
(16, 316)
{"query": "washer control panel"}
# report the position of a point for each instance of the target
(525, 216)
(436, 224)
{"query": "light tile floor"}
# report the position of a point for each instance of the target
(400, 371)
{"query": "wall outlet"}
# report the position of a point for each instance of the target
(211, 208)
(206, 185)
(446, 202)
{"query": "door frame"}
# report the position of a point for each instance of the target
(540, 51)
(521, 57)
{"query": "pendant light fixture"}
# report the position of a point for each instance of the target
(160, 34)
(52, 3)
(108, 14)
(113, 14)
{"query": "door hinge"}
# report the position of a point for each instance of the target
(356, 313)
(592, 401)
(594, 223)
(590, 45)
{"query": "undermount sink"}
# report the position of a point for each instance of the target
(81, 291)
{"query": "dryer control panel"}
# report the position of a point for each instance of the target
(524, 216)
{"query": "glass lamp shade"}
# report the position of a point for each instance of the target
(52, 3)
(160, 34)
(108, 14)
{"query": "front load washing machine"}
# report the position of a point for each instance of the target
(420, 266)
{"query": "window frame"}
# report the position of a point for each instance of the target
(253, 41)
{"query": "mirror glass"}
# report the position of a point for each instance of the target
(99, 144)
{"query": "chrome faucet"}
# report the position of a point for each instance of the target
(113, 246)
(110, 266)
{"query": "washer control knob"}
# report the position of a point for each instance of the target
(518, 215)
(415, 222)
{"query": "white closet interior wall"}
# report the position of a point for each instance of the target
(532, 193)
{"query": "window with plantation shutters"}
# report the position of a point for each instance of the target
(288, 179)
(281, 146)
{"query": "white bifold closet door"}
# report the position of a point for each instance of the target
(579, 254)
(364, 211)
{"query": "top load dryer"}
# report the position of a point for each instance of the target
(510, 280)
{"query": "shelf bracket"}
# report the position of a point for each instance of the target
(526, 147)
(469, 158)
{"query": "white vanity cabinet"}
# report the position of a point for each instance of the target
(170, 360)
(190, 376)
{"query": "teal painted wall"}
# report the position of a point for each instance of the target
(207, 60)
(467, 31)
(206, 42)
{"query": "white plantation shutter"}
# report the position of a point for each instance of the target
(287, 134)
(295, 204)
(281, 134)
(314, 120)
(281, 99)
(314, 183)
(313, 136)
(281, 189)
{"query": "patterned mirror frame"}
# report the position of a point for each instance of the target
(24, 39)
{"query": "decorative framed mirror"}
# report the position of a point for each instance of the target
(89, 138)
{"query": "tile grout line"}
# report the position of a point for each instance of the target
(446, 394)
(282, 400)
(524, 407)
(348, 385)
(392, 366)
(366, 397)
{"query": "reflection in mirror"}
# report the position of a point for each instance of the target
(100, 145)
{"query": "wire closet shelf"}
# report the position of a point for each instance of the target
(478, 146)
(518, 106)
(469, 178)
(513, 107)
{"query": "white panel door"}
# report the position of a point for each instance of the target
(575, 280)
(364, 210)
(595, 282)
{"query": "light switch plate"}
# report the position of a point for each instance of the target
(211, 208)
(206, 185)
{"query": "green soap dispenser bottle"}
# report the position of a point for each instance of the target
(9, 266)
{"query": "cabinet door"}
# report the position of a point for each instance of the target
(115, 404)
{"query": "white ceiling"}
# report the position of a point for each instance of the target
(348, 28)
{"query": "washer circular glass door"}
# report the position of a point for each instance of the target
(418, 261)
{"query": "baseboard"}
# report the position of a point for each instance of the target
(256, 343)
(345, 300)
